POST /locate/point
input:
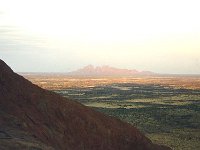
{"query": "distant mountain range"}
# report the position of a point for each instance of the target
(90, 70)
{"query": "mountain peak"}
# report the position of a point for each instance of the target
(89, 66)
(5, 69)
(106, 70)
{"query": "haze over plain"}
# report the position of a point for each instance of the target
(62, 36)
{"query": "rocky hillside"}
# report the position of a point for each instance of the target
(36, 119)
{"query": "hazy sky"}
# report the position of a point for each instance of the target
(61, 35)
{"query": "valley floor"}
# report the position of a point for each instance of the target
(166, 109)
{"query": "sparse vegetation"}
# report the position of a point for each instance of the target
(166, 109)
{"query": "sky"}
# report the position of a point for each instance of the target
(62, 36)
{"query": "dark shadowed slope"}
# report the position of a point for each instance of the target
(34, 118)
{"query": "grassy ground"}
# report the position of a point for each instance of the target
(182, 139)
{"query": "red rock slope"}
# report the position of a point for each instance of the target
(34, 118)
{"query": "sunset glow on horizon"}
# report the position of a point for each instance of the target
(61, 36)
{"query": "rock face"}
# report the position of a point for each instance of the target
(34, 118)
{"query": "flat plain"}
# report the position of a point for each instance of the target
(165, 108)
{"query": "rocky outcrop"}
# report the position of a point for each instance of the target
(107, 71)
